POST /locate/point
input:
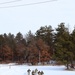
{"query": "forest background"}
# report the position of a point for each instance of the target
(46, 44)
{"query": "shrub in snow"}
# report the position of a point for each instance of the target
(35, 72)
(28, 71)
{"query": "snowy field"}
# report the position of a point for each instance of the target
(22, 70)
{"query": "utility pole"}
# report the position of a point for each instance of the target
(38, 52)
(39, 56)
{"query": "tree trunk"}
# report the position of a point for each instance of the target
(72, 65)
(67, 64)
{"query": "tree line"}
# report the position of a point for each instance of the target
(45, 45)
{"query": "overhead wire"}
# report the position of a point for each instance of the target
(10, 2)
(29, 4)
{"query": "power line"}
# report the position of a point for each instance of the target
(29, 4)
(10, 2)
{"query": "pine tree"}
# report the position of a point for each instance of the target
(46, 34)
(63, 45)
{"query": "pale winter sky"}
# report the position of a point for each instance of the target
(31, 17)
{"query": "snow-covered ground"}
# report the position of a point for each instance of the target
(22, 70)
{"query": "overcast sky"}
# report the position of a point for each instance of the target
(32, 17)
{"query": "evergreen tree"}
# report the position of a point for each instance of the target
(63, 45)
(46, 34)
(73, 47)
(2, 43)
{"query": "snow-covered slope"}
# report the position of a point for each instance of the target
(22, 70)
